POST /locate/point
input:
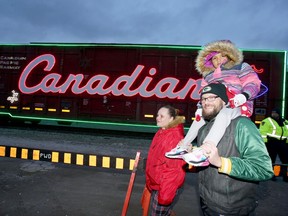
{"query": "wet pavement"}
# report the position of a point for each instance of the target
(29, 188)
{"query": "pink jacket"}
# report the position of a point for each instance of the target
(240, 78)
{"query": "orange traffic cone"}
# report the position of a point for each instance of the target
(145, 201)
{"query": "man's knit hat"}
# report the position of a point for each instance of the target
(217, 89)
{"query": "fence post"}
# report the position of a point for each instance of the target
(130, 186)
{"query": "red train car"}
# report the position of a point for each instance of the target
(115, 86)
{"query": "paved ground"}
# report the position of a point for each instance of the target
(29, 188)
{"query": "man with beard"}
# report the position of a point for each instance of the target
(228, 186)
(274, 131)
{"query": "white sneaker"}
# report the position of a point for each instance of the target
(196, 158)
(177, 152)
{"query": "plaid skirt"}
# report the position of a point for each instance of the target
(160, 210)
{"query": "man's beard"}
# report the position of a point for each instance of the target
(209, 116)
(212, 114)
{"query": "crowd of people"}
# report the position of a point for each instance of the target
(231, 154)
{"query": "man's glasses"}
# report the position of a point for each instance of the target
(209, 99)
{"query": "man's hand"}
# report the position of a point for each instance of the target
(188, 146)
(211, 152)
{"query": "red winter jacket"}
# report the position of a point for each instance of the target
(163, 174)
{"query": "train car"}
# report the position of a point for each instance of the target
(116, 86)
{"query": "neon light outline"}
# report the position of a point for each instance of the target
(74, 81)
(165, 88)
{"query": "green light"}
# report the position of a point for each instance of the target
(284, 85)
(30, 118)
(167, 46)
(261, 50)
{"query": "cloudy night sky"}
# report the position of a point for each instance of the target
(250, 24)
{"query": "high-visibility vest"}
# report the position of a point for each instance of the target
(270, 128)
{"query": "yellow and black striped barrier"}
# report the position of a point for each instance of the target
(67, 157)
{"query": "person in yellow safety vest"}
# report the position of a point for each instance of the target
(274, 131)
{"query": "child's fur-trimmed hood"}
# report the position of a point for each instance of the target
(226, 48)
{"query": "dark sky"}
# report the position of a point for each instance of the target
(250, 24)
